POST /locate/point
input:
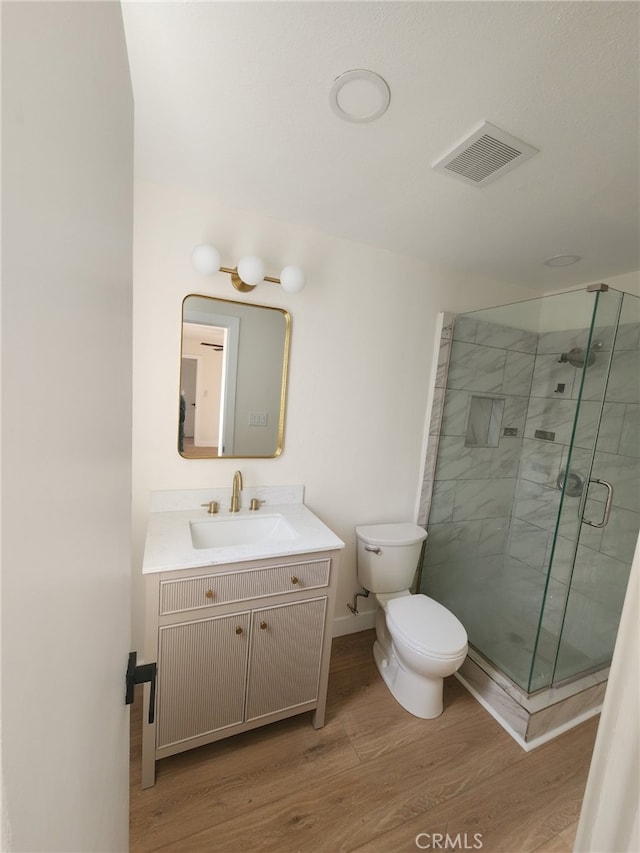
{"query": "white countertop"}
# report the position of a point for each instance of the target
(168, 544)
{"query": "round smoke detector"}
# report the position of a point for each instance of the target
(562, 260)
(359, 96)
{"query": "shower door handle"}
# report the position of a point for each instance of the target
(607, 505)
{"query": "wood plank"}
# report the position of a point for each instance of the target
(352, 650)
(521, 809)
(555, 845)
(204, 787)
(337, 812)
(377, 724)
(568, 835)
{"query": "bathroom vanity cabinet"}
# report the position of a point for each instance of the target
(237, 646)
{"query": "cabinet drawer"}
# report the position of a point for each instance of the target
(227, 587)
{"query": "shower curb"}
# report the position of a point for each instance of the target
(533, 720)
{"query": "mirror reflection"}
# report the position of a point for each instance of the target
(232, 379)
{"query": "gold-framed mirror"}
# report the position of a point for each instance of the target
(233, 379)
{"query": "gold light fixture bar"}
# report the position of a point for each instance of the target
(248, 273)
(241, 285)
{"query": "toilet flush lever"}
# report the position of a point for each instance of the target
(373, 548)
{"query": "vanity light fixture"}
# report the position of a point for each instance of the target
(248, 273)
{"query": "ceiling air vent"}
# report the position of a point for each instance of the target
(485, 155)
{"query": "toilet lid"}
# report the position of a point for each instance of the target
(426, 626)
(392, 534)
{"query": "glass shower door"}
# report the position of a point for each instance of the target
(599, 514)
(604, 552)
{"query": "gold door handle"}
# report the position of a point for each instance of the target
(294, 580)
(238, 630)
(210, 594)
(263, 625)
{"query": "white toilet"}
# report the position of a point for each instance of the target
(418, 641)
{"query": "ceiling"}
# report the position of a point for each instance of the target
(232, 100)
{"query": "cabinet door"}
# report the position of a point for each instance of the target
(201, 677)
(284, 662)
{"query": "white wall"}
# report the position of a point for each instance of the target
(67, 197)
(361, 348)
(610, 816)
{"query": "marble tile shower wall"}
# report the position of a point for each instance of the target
(473, 488)
(442, 368)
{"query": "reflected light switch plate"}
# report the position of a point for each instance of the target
(258, 419)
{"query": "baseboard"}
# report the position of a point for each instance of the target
(352, 623)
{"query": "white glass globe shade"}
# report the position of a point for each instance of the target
(205, 259)
(292, 279)
(251, 269)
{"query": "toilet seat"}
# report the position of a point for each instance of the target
(426, 626)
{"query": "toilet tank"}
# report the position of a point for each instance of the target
(388, 555)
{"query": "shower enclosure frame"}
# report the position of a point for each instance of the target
(547, 669)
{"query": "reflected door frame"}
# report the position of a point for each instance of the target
(191, 406)
(226, 433)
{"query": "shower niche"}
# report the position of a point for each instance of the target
(524, 394)
(484, 422)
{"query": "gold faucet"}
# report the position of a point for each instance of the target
(235, 492)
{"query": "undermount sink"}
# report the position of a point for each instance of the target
(243, 530)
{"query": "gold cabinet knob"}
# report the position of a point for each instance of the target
(238, 630)
(294, 580)
(210, 594)
(263, 625)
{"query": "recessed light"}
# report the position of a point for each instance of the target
(359, 96)
(562, 261)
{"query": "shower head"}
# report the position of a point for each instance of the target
(576, 356)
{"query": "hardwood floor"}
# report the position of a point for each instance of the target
(373, 779)
(191, 451)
